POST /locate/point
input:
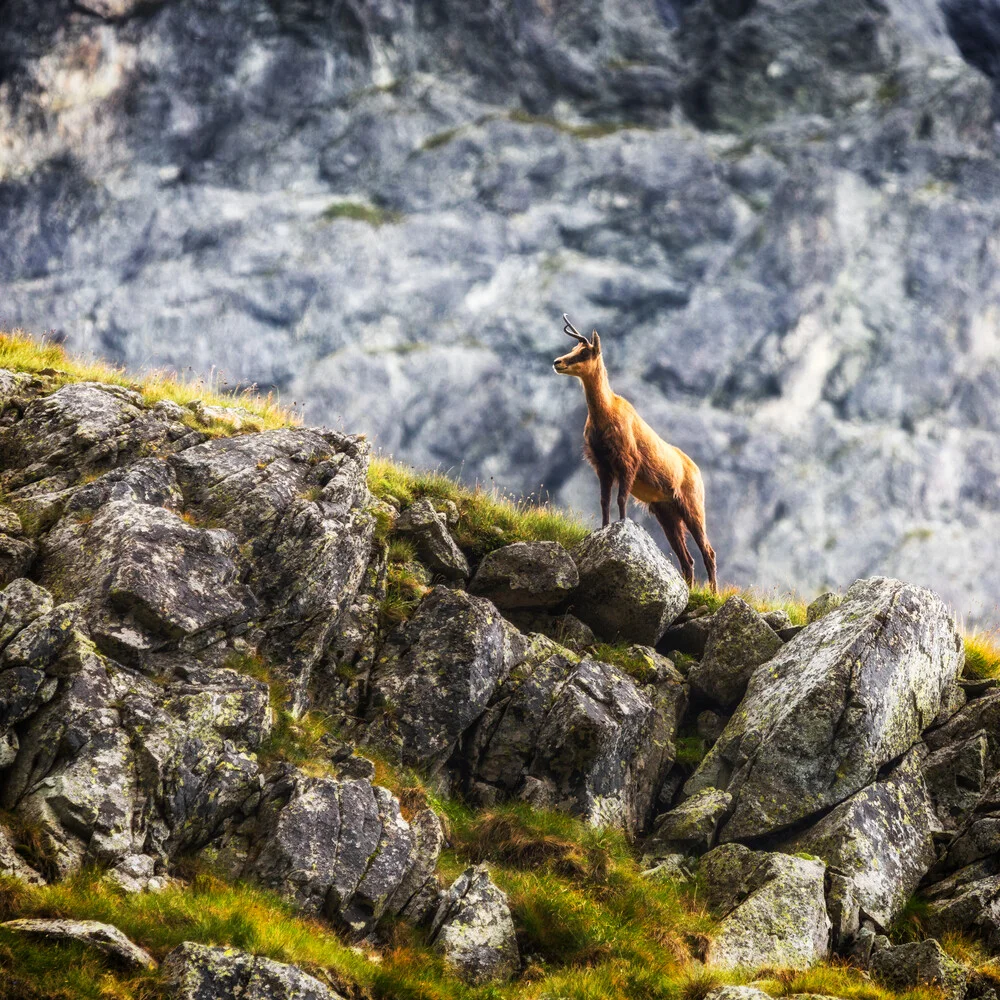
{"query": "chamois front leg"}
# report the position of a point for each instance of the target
(626, 480)
(607, 479)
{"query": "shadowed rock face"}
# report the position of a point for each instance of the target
(792, 259)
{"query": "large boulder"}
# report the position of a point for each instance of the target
(920, 963)
(881, 838)
(526, 575)
(628, 588)
(853, 692)
(104, 938)
(342, 849)
(297, 501)
(771, 908)
(436, 674)
(956, 777)
(739, 642)
(689, 827)
(577, 735)
(967, 902)
(202, 972)
(473, 929)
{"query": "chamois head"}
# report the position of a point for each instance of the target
(584, 359)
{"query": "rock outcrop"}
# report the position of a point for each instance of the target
(853, 692)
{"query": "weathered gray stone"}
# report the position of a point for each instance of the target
(436, 674)
(967, 902)
(778, 619)
(297, 502)
(980, 715)
(920, 963)
(146, 563)
(710, 725)
(21, 602)
(772, 908)
(881, 838)
(473, 929)
(690, 826)
(13, 865)
(567, 630)
(688, 636)
(342, 849)
(103, 937)
(577, 735)
(956, 778)
(628, 588)
(850, 694)
(435, 546)
(737, 993)
(202, 972)
(526, 575)
(739, 642)
(978, 835)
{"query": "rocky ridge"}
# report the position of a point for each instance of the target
(180, 597)
(781, 217)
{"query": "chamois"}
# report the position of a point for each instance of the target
(621, 446)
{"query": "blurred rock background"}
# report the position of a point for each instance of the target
(782, 215)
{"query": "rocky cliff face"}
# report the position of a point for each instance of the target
(173, 598)
(782, 217)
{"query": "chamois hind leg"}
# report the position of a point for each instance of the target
(694, 518)
(673, 527)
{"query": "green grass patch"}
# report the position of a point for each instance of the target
(356, 211)
(488, 519)
(628, 658)
(762, 602)
(21, 353)
(982, 656)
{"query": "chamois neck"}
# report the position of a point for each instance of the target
(600, 398)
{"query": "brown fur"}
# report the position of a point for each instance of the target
(623, 448)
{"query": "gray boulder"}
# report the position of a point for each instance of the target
(881, 839)
(956, 777)
(342, 849)
(575, 735)
(103, 937)
(920, 963)
(771, 908)
(202, 972)
(739, 642)
(967, 902)
(435, 545)
(297, 501)
(436, 674)
(980, 715)
(473, 929)
(567, 630)
(689, 827)
(978, 836)
(21, 602)
(147, 565)
(526, 575)
(688, 636)
(737, 993)
(628, 588)
(853, 692)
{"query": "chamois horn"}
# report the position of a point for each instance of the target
(572, 331)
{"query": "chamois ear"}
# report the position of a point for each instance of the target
(595, 342)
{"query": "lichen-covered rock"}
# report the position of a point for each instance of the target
(853, 692)
(473, 929)
(737, 993)
(628, 588)
(202, 972)
(881, 838)
(576, 735)
(567, 630)
(16, 557)
(21, 602)
(435, 546)
(105, 938)
(689, 635)
(956, 777)
(416, 896)
(739, 642)
(823, 605)
(343, 850)
(689, 827)
(920, 963)
(526, 575)
(980, 715)
(772, 908)
(297, 502)
(144, 564)
(978, 835)
(436, 674)
(967, 902)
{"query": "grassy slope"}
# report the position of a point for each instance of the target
(590, 924)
